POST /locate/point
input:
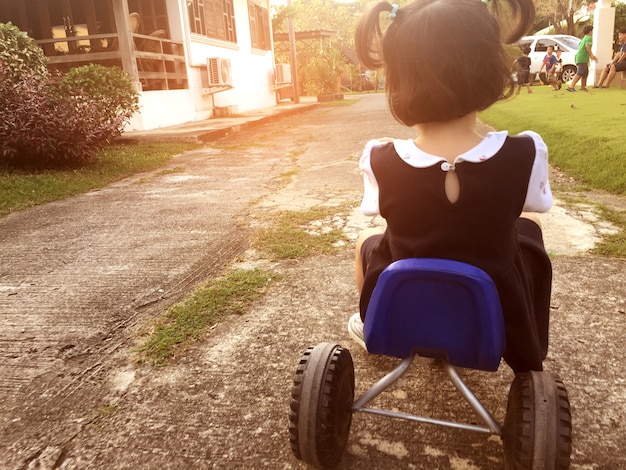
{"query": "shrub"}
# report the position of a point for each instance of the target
(19, 55)
(51, 122)
(108, 89)
(323, 73)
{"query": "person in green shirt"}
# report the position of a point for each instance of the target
(582, 60)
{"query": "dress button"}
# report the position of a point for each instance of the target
(445, 166)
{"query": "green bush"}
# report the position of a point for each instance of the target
(108, 88)
(19, 55)
(323, 73)
(54, 122)
(40, 128)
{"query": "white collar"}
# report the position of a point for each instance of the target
(484, 150)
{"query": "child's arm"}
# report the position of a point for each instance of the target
(593, 57)
(369, 204)
(538, 195)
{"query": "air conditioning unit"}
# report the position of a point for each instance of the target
(283, 73)
(218, 70)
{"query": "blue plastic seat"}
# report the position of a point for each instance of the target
(436, 308)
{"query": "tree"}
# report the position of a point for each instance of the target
(557, 11)
(329, 15)
(309, 15)
(620, 19)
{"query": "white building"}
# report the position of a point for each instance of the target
(190, 59)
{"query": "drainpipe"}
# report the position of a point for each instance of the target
(293, 59)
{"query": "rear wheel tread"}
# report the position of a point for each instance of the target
(294, 406)
(564, 417)
(321, 405)
(526, 397)
(332, 440)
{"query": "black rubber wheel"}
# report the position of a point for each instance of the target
(568, 73)
(320, 413)
(537, 432)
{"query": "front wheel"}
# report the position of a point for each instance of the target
(320, 414)
(568, 73)
(537, 432)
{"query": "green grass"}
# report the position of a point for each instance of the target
(189, 321)
(20, 189)
(297, 234)
(291, 235)
(344, 102)
(584, 131)
(612, 245)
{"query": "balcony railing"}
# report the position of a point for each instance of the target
(160, 61)
(96, 48)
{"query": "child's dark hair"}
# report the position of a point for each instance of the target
(443, 58)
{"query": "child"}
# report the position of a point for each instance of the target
(549, 63)
(453, 193)
(523, 70)
(558, 68)
(582, 60)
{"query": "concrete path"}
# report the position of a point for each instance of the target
(82, 279)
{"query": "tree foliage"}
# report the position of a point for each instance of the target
(322, 74)
(555, 12)
(561, 15)
(309, 15)
(620, 17)
(317, 61)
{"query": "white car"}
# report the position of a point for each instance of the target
(539, 45)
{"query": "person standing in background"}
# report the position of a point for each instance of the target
(582, 60)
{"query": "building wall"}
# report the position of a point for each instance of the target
(251, 70)
(165, 108)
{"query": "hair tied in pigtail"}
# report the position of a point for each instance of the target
(393, 12)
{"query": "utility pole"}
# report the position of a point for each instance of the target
(293, 58)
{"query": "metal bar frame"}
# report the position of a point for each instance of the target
(359, 405)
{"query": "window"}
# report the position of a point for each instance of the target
(542, 46)
(213, 18)
(153, 14)
(259, 26)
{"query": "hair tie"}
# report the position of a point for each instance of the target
(394, 11)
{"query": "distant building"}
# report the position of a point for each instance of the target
(190, 59)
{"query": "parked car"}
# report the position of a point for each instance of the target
(539, 45)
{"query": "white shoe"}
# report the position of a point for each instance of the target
(355, 329)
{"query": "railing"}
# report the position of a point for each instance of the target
(160, 61)
(69, 51)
